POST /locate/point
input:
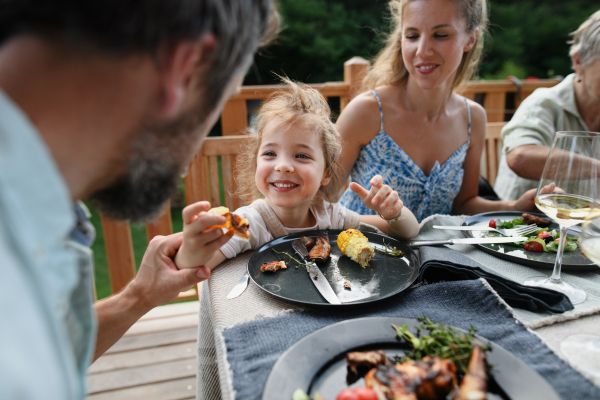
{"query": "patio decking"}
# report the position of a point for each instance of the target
(155, 359)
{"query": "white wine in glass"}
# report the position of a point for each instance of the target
(582, 350)
(565, 193)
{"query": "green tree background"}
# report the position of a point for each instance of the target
(526, 38)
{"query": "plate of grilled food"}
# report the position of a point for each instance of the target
(401, 358)
(540, 250)
(360, 267)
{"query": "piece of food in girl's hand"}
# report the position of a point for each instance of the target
(308, 242)
(321, 250)
(237, 224)
(356, 246)
(273, 266)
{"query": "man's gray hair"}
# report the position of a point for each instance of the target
(586, 40)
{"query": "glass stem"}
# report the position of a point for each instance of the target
(561, 247)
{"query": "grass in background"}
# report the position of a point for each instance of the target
(138, 238)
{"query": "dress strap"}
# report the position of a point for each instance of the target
(469, 112)
(381, 110)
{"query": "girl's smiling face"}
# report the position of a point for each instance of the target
(290, 166)
(434, 39)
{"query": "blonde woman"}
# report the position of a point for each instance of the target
(410, 126)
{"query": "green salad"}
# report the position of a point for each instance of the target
(542, 240)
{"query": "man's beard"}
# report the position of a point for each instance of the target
(154, 168)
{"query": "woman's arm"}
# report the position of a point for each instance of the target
(407, 227)
(358, 124)
(467, 201)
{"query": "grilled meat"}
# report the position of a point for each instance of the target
(368, 359)
(320, 251)
(529, 219)
(474, 384)
(428, 379)
(273, 266)
(308, 242)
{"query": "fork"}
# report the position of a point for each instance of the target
(519, 231)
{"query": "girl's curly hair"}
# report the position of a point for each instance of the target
(295, 104)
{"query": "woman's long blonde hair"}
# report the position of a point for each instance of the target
(388, 66)
(296, 104)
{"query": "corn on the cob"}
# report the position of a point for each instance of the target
(356, 246)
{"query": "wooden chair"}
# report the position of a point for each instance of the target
(490, 159)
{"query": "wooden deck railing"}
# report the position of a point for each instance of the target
(202, 180)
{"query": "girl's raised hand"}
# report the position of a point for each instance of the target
(381, 198)
(200, 244)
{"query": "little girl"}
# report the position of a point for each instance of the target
(293, 161)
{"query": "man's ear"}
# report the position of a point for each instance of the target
(180, 65)
(577, 64)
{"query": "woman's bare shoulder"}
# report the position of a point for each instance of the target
(360, 118)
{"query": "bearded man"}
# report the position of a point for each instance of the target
(107, 100)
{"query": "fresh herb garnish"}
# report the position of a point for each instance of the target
(443, 341)
(309, 266)
(388, 249)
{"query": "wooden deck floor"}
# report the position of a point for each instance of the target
(155, 359)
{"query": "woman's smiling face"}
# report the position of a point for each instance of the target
(290, 166)
(434, 39)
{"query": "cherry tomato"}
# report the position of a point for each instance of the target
(364, 393)
(493, 224)
(543, 235)
(347, 394)
(534, 246)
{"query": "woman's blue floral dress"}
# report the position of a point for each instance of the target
(423, 195)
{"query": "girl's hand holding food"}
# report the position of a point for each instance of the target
(381, 198)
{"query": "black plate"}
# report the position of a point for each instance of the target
(572, 260)
(384, 277)
(316, 363)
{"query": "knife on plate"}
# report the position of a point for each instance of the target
(418, 243)
(316, 276)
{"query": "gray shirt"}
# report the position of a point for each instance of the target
(542, 114)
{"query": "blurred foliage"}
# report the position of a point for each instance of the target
(526, 38)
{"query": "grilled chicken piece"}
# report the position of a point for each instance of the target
(529, 219)
(428, 379)
(308, 242)
(273, 266)
(367, 359)
(474, 384)
(320, 252)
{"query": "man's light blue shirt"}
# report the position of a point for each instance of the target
(47, 323)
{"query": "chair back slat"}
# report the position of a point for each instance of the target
(493, 149)
(213, 170)
(227, 161)
(162, 225)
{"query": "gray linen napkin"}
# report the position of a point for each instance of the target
(254, 347)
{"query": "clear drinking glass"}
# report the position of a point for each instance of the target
(583, 350)
(565, 193)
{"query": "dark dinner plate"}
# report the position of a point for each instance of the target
(316, 363)
(385, 275)
(572, 260)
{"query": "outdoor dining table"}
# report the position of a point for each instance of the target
(240, 339)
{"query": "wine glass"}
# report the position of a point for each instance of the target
(565, 193)
(583, 350)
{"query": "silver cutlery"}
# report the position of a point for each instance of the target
(519, 231)
(316, 276)
(240, 286)
(418, 243)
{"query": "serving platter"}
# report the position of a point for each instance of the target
(316, 363)
(385, 276)
(572, 260)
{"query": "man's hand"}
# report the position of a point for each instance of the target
(381, 198)
(200, 244)
(158, 280)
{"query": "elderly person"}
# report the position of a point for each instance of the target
(107, 100)
(572, 105)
